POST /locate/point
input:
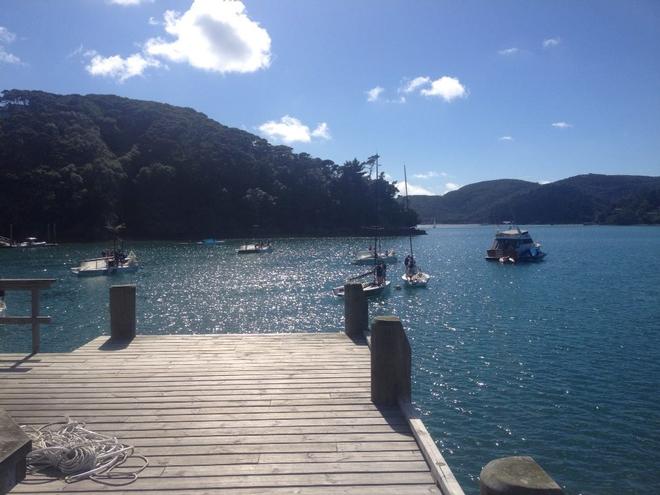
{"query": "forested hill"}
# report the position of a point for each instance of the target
(168, 172)
(591, 198)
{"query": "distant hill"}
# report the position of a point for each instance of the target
(169, 172)
(591, 198)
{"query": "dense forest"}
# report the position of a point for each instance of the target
(590, 198)
(82, 162)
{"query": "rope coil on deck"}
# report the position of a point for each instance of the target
(79, 453)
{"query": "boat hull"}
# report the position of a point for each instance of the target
(369, 288)
(420, 279)
(373, 260)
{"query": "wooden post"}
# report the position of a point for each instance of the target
(14, 448)
(390, 361)
(122, 312)
(356, 313)
(36, 335)
(519, 475)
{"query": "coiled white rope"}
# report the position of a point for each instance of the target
(79, 453)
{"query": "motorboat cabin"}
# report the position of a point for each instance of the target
(512, 245)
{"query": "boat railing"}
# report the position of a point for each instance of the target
(33, 285)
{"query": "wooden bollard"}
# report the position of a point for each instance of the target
(356, 313)
(390, 361)
(518, 475)
(14, 447)
(122, 312)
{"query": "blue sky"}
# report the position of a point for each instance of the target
(459, 91)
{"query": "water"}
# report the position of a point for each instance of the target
(559, 360)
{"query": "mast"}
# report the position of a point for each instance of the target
(405, 178)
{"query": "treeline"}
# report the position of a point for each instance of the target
(589, 198)
(82, 162)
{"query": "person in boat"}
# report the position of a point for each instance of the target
(411, 267)
(380, 273)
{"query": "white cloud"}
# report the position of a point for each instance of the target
(213, 35)
(413, 190)
(426, 175)
(290, 130)
(450, 186)
(505, 138)
(8, 58)
(118, 67)
(154, 22)
(416, 83)
(508, 51)
(374, 93)
(561, 125)
(322, 131)
(129, 2)
(6, 36)
(550, 42)
(447, 88)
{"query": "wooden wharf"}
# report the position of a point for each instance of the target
(233, 413)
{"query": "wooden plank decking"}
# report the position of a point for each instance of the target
(231, 414)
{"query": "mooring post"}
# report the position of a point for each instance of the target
(122, 312)
(518, 475)
(356, 313)
(390, 362)
(14, 447)
(36, 334)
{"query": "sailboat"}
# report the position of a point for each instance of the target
(374, 255)
(379, 284)
(413, 276)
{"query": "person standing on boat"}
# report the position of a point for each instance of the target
(380, 273)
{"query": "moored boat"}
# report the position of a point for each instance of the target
(369, 288)
(372, 258)
(108, 264)
(258, 247)
(32, 242)
(513, 245)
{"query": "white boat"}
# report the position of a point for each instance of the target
(369, 258)
(419, 279)
(512, 245)
(369, 288)
(413, 275)
(31, 242)
(259, 247)
(107, 265)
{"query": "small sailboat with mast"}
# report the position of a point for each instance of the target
(413, 276)
(379, 284)
(374, 255)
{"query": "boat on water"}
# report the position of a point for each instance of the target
(375, 287)
(210, 242)
(413, 275)
(513, 245)
(110, 263)
(30, 242)
(257, 247)
(419, 279)
(369, 288)
(371, 257)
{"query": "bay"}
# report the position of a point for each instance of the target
(558, 360)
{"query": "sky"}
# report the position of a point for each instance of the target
(458, 91)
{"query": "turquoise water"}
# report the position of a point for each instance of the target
(558, 360)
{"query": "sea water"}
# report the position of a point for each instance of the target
(559, 360)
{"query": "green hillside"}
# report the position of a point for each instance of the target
(168, 172)
(591, 198)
